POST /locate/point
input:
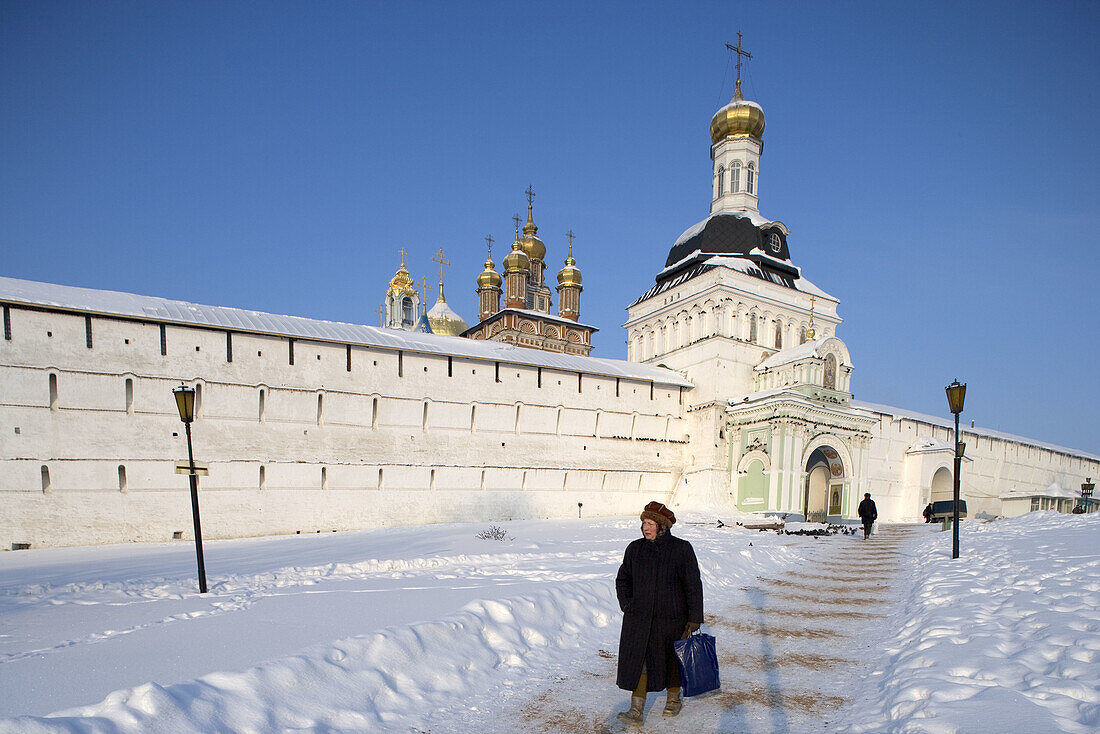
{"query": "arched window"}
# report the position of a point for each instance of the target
(750, 180)
(735, 177)
(802, 335)
(406, 311)
(778, 335)
(721, 180)
(752, 328)
(775, 242)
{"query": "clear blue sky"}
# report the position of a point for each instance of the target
(936, 163)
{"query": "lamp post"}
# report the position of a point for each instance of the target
(956, 393)
(1086, 494)
(185, 401)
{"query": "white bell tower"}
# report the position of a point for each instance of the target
(736, 133)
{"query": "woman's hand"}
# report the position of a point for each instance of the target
(689, 628)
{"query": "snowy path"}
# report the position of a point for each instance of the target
(792, 647)
(432, 630)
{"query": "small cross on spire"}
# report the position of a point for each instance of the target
(442, 261)
(570, 236)
(403, 254)
(740, 52)
(515, 220)
(530, 196)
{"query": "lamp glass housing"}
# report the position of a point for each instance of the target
(956, 394)
(185, 402)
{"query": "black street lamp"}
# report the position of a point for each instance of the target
(185, 401)
(956, 393)
(1086, 496)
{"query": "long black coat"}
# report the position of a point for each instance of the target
(659, 591)
(867, 511)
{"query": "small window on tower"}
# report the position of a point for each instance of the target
(775, 243)
(750, 180)
(735, 177)
(721, 180)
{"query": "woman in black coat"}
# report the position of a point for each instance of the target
(661, 596)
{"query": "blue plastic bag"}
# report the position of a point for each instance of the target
(698, 659)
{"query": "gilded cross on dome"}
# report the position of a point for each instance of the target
(530, 196)
(442, 261)
(489, 242)
(740, 52)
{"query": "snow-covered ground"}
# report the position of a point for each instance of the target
(431, 629)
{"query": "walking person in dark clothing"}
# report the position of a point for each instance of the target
(661, 595)
(868, 513)
(928, 513)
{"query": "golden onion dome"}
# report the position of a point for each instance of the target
(740, 118)
(569, 275)
(489, 277)
(516, 260)
(401, 282)
(531, 243)
(443, 319)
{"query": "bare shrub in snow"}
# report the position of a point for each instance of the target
(494, 532)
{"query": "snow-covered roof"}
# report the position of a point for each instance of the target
(696, 228)
(443, 310)
(1054, 490)
(803, 351)
(740, 264)
(544, 317)
(790, 393)
(978, 431)
(153, 308)
(926, 445)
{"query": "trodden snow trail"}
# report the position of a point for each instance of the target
(793, 649)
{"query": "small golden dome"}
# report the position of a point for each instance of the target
(516, 260)
(569, 275)
(401, 282)
(489, 277)
(531, 243)
(740, 118)
(443, 319)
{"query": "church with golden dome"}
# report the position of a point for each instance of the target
(515, 308)
(736, 399)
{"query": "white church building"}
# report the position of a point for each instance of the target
(736, 397)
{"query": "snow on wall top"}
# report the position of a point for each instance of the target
(978, 431)
(153, 308)
(806, 350)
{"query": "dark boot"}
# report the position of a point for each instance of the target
(634, 714)
(672, 702)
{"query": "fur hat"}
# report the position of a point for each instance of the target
(659, 514)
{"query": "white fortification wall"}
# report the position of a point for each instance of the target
(911, 459)
(346, 437)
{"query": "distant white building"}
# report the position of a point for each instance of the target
(736, 396)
